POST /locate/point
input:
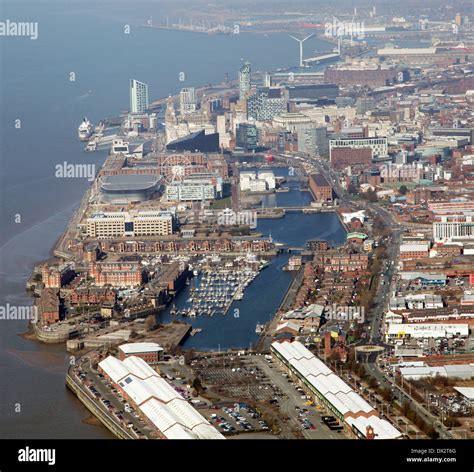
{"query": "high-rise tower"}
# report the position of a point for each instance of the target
(244, 80)
(138, 96)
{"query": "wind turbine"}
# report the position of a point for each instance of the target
(301, 41)
(352, 28)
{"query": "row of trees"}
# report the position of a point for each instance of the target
(409, 413)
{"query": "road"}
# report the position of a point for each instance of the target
(375, 316)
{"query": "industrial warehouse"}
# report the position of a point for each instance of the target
(157, 401)
(331, 391)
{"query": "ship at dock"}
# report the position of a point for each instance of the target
(85, 130)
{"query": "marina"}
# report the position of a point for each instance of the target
(214, 288)
(238, 329)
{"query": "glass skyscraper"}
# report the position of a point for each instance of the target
(244, 80)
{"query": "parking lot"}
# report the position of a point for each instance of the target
(239, 418)
(237, 379)
(110, 400)
(294, 404)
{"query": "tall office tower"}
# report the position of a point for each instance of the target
(138, 96)
(187, 100)
(244, 81)
(313, 140)
(266, 103)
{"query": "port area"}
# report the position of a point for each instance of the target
(244, 395)
(170, 336)
(240, 384)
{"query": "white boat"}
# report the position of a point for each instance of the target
(85, 130)
(259, 328)
(91, 146)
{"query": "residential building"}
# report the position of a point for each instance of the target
(138, 97)
(313, 141)
(244, 81)
(246, 136)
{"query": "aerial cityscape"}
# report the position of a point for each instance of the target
(237, 220)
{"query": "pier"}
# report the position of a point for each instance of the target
(263, 344)
(321, 58)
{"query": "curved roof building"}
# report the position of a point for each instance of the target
(123, 189)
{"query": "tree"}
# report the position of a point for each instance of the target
(405, 410)
(403, 190)
(197, 385)
(335, 357)
(371, 195)
(451, 422)
(372, 382)
(150, 323)
(361, 372)
(431, 432)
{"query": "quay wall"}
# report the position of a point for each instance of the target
(50, 337)
(105, 419)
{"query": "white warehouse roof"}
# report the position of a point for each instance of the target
(382, 429)
(467, 392)
(115, 369)
(134, 348)
(343, 398)
(164, 407)
(428, 330)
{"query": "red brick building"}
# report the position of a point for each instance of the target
(346, 156)
(116, 274)
(93, 296)
(48, 306)
(415, 250)
(151, 353)
(337, 262)
(320, 188)
(56, 277)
